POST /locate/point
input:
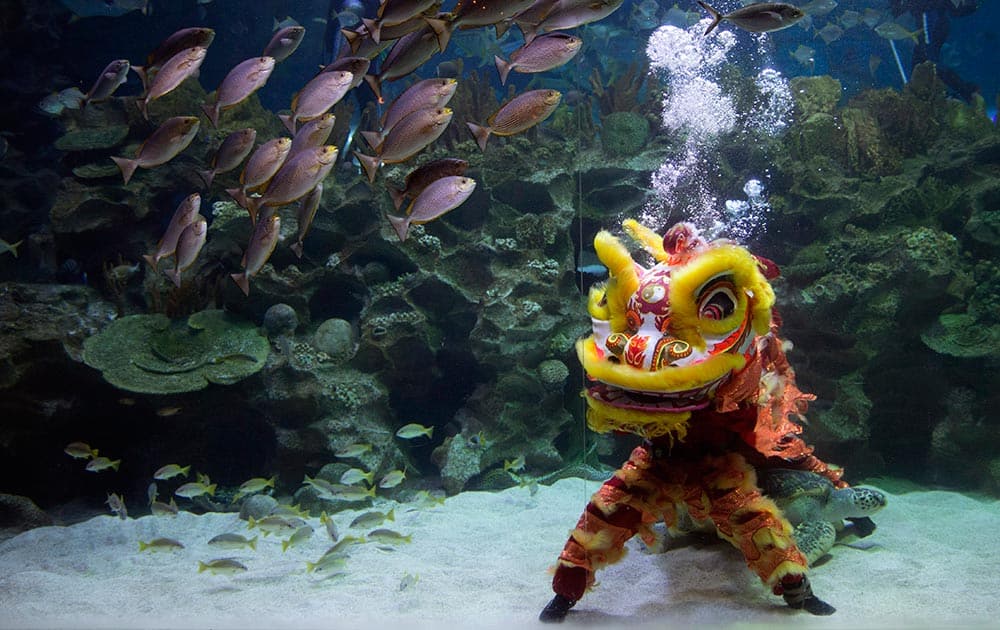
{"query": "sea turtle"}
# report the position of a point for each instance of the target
(817, 510)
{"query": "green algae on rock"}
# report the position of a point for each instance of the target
(150, 354)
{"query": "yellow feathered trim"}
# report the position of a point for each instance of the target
(647, 238)
(665, 381)
(752, 290)
(623, 281)
(597, 306)
(602, 418)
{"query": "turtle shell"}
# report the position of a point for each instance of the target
(785, 485)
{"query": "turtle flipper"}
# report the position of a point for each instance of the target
(815, 538)
(798, 594)
(862, 526)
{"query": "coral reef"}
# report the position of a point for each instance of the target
(151, 355)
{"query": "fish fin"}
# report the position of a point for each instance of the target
(374, 139)
(716, 16)
(401, 225)
(143, 76)
(502, 28)
(207, 176)
(289, 121)
(441, 30)
(353, 39)
(253, 543)
(242, 281)
(376, 85)
(369, 163)
(253, 208)
(12, 247)
(202, 567)
(152, 260)
(284, 545)
(297, 248)
(212, 113)
(175, 275)
(503, 67)
(238, 196)
(397, 194)
(127, 167)
(115, 464)
(143, 106)
(480, 133)
(374, 28)
(528, 32)
(211, 490)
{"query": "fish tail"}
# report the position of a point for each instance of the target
(175, 275)
(503, 67)
(13, 247)
(211, 490)
(238, 196)
(441, 30)
(401, 225)
(285, 544)
(528, 31)
(186, 470)
(310, 566)
(397, 194)
(716, 16)
(502, 28)
(376, 85)
(374, 139)
(115, 464)
(202, 567)
(127, 167)
(480, 133)
(212, 113)
(253, 208)
(297, 248)
(207, 176)
(143, 76)
(143, 546)
(374, 28)
(243, 282)
(370, 164)
(151, 259)
(253, 543)
(391, 516)
(289, 121)
(143, 105)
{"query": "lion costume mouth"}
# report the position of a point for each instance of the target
(673, 402)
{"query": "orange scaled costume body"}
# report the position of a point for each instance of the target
(685, 354)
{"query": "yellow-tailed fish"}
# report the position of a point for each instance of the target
(354, 450)
(117, 505)
(276, 524)
(327, 562)
(160, 544)
(388, 537)
(233, 541)
(514, 465)
(356, 475)
(194, 489)
(222, 566)
(159, 508)
(392, 479)
(80, 450)
(102, 463)
(373, 519)
(301, 535)
(331, 527)
(413, 430)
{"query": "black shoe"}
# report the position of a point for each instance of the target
(556, 610)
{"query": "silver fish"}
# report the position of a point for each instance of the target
(183, 216)
(117, 505)
(314, 133)
(566, 15)
(174, 72)
(163, 145)
(110, 79)
(297, 176)
(358, 66)
(438, 198)
(542, 53)
(230, 154)
(308, 206)
(262, 243)
(189, 245)
(261, 167)
(429, 93)
(284, 42)
(178, 41)
(516, 115)
(421, 177)
(762, 17)
(317, 97)
(410, 52)
(408, 137)
(242, 81)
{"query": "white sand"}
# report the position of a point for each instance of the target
(481, 560)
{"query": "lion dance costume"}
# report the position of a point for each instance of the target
(685, 354)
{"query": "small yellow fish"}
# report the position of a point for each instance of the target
(413, 430)
(408, 581)
(80, 450)
(194, 489)
(202, 478)
(331, 527)
(171, 470)
(9, 247)
(392, 479)
(356, 475)
(275, 524)
(222, 566)
(102, 463)
(346, 542)
(166, 412)
(328, 561)
(353, 450)
(301, 535)
(514, 465)
(254, 485)
(160, 544)
(373, 519)
(388, 536)
(117, 505)
(426, 499)
(233, 541)
(159, 508)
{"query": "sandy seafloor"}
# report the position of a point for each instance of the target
(481, 561)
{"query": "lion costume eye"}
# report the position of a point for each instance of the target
(718, 301)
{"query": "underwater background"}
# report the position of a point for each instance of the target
(857, 148)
